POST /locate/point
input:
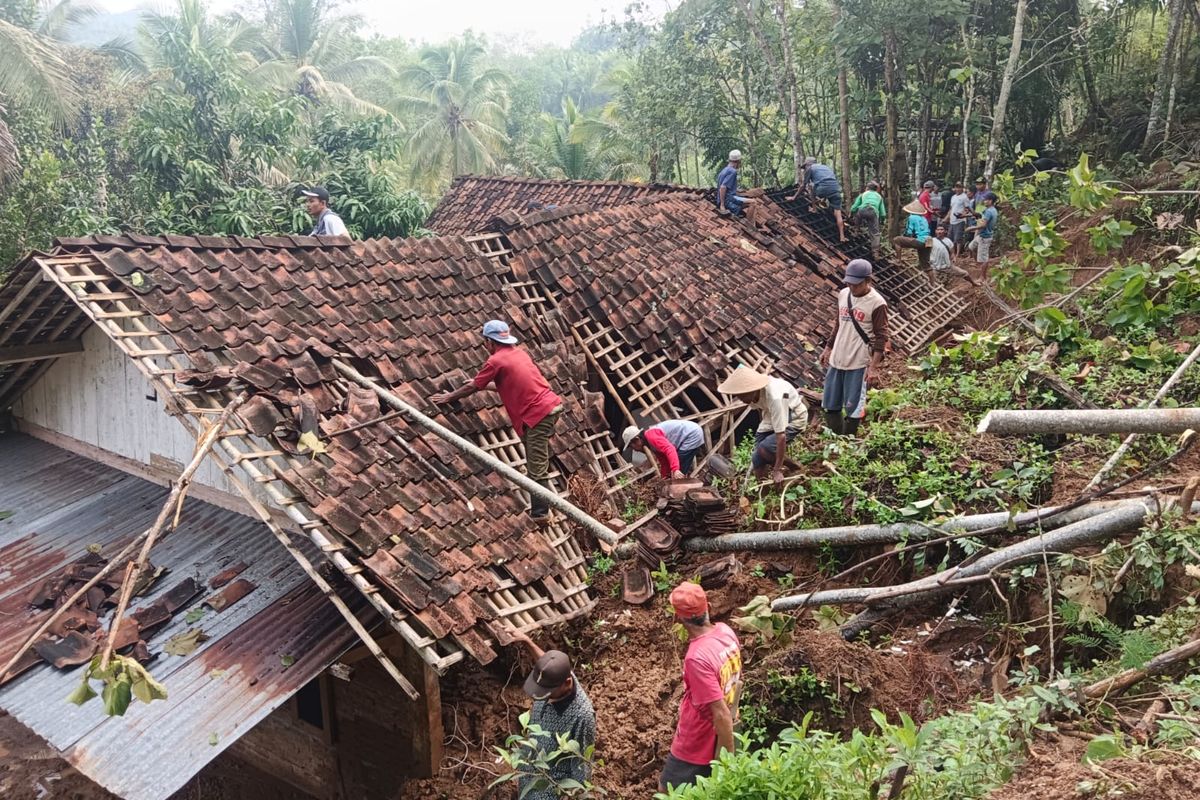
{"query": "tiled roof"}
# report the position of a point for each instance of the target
(63, 506)
(672, 277)
(274, 311)
(473, 201)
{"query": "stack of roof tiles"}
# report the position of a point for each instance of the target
(274, 311)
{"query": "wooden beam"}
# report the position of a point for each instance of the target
(37, 352)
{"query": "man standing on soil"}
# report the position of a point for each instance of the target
(326, 222)
(560, 706)
(783, 416)
(673, 444)
(925, 198)
(985, 229)
(531, 405)
(712, 683)
(855, 350)
(956, 216)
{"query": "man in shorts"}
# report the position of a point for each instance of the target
(782, 414)
(712, 684)
(855, 350)
(821, 181)
(985, 229)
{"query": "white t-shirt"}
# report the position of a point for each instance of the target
(958, 205)
(778, 402)
(939, 253)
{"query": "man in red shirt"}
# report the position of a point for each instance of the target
(712, 681)
(925, 198)
(531, 405)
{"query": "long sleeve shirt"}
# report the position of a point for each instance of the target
(917, 228)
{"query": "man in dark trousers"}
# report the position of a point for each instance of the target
(712, 684)
(560, 707)
(855, 349)
(531, 405)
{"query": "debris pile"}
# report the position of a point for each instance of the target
(697, 510)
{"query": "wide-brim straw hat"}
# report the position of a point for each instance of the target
(744, 380)
(915, 207)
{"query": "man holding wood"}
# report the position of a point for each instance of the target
(712, 683)
(673, 444)
(855, 349)
(783, 416)
(531, 405)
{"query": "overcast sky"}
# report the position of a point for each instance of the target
(537, 21)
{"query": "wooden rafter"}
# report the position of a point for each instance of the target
(21, 353)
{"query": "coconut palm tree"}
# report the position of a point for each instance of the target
(579, 147)
(34, 72)
(458, 110)
(312, 54)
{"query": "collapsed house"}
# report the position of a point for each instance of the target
(635, 301)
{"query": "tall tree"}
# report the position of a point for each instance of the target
(1006, 82)
(459, 107)
(843, 106)
(1162, 83)
(783, 78)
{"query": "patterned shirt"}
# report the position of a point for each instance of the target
(573, 716)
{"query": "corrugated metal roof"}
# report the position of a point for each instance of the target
(62, 503)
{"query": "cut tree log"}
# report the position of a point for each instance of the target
(1124, 517)
(1163, 662)
(1004, 422)
(576, 514)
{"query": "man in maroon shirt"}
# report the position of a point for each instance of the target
(531, 405)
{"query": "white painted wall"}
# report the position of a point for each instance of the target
(100, 398)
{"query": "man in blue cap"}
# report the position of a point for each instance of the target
(531, 405)
(327, 223)
(855, 349)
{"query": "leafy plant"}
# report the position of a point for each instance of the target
(601, 565)
(664, 579)
(535, 758)
(123, 679)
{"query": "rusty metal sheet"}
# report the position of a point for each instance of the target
(285, 615)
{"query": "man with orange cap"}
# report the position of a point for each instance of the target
(712, 683)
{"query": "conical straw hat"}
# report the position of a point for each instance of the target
(914, 207)
(743, 381)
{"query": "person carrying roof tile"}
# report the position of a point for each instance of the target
(327, 223)
(916, 233)
(783, 416)
(674, 445)
(712, 687)
(531, 405)
(729, 200)
(560, 708)
(855, 350)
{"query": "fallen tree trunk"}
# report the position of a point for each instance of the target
(1113, 522)
(761, 541)
(1161, 663)
(1090, 421)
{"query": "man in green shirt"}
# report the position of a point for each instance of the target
(869, 211)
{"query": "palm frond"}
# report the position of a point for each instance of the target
(34, 73)
(10, 159)
(57, 20)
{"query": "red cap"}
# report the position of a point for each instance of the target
(689, 600)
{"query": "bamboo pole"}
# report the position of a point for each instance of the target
(1116, 457)
(1090, 421)
(170, 508)
(467, 448)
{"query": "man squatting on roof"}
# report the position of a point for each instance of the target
(855, 349)
(560, 706)
(531, 405)
(712, 684)
(673, 443)
(783, 416)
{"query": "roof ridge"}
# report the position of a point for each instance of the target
(137, 241)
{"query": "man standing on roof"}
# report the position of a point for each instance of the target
(327, 222)
(783, 417)
(822, 182)
(560, 707)
(916, 233)
(855, 349)
(531, 405)
(728, 199)
(712, 684)
(673, 444)
(869, 211)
